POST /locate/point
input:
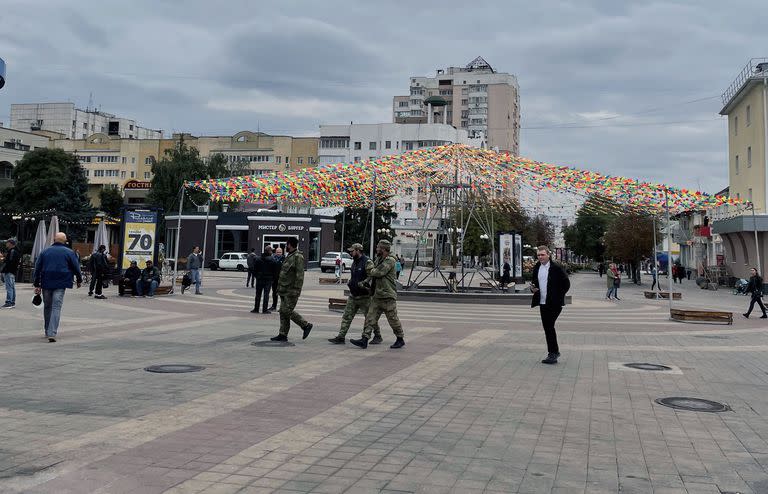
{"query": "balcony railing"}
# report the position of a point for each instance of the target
(757, 68)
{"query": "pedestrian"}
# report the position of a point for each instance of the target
(55, 268)
(600, 269)
(251, 262)
(506, 278)
(383, 283)
(613, 280)
(98, 266)
(129, 279)
(263, 272)
(398, 267)
(149, 281)
(338, 269)
(279, 258)
(654, 274)
(755, 287)
(8, 273)
(549, 285)
(289, 287)
(194, 265)
(359, 299)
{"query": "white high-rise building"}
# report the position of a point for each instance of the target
(74, 123)
(475, 98)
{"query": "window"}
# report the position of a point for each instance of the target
(310, 160)
(300, 161)
(372, 146)
(133, 160)
(358, 145)
(148, 160)
(334, 142)
(85, 135)
(422, 205)
(87, 173)
(279, 159)
(445, 92)
(130, 127)
(286, 161)
(737, 164)
(402, 104)
(387, 144)
(124, 159)
(147, 175)
(92, 127)
(133, 174)
(735, 126)
(464, 102)
(85, 126)
(408, 145)
(409, 191)
(357, 159)
(98, 173)
(749, 158)
(463, 123)
(409, 206)
(122, 174)
(749, 115)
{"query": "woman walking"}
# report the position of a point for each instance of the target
(755, 287)
(613, 280)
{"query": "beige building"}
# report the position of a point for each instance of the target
(111, 161)
(15, 144)
(474, 98)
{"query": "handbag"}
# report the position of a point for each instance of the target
(617, 282)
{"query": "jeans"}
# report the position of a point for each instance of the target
(262, 292)
(249, 281)
(10, 288)
(549, 315)
(756, 299)
(143, 286)
(195, 275)
(611, 291)
(97, 281)
(53, 300)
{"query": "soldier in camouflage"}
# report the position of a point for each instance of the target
(359, 299)
(383, 281)
(289, 288)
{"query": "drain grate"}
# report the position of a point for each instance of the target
(693, 404)
(174, 368)
(272, 344)
(647, 366)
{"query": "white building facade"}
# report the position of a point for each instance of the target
(74, 123)
(15, 145)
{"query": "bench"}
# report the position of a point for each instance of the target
(161, 290)
(333, 281)
(675, 295)
(701, 315)
(337, 303)
(649, 294)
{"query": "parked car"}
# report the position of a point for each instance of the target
(328, 261)
(230, 260)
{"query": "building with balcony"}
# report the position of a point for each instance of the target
(475, 98)
(14, 145)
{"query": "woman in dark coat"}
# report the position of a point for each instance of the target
(755, 287)
(506, 279)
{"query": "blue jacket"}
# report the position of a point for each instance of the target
(55, 267)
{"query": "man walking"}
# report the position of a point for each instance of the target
(289, 287)
(383, 282)
(54, 269)
(549, 286)
(251, 263)
(264, 272)
(98, 266)
(194, 264)
(359, 299)
(149, 281)
(279, 258)
(8, 273)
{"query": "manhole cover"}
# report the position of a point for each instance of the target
(693, 404)
(648, 367)
(269, 343)
(174, 368)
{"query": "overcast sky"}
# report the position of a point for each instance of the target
(637, 82)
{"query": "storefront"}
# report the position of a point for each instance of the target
(240, 232)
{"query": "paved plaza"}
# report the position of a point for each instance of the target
(465, 407)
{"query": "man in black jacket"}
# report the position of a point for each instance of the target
(129, 279)
(98, 266)
(10, 268)
(263, 271)
(549, 285)
(359, 299)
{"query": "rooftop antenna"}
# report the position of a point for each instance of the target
(90, 102)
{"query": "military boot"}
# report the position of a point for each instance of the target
(280, 337)
(362, 342)
(376, 339)
(337, 340)
(399, 343)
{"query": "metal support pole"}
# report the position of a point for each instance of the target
(669, 250)
(373, 213)
(178, 237)
(757, 244)
(343, 225)
(205, 236)
(658, 277)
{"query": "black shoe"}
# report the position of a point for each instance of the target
(266, 311)
(182, 289)
(90, 294)
(274, 307)
(764, 316)
(746, 315)
(254, 311)
(362, 342)
(399, 343)
(306, 330)
(280, 337)
(51, 340)
(616, 298)
(551, 358)
(100, 297)
(337, 340)
(376, 339)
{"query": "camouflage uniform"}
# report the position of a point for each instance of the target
(383, 277)
(289, 286)
(357, 303)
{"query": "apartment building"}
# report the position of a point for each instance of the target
(475, 98)
(74, 123)
(15, 144)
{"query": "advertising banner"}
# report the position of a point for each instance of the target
(518, 256)
(139, 238)
(506, 252)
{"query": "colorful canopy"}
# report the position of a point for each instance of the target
(352, 185)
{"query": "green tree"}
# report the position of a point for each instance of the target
(629, 239)
(111, 201)
(357, 226)
(585, 236)
(51, 179)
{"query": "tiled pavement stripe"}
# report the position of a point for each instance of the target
(128, 434)
(194, 449)
(308, 441)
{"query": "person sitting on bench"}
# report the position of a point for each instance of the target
(129, 279)
(149, 281)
